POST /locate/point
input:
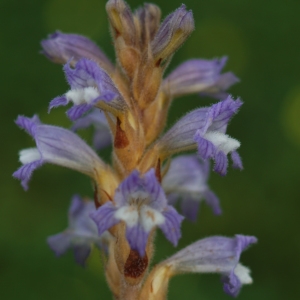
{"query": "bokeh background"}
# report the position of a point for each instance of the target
(261, 39)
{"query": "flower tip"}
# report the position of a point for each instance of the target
(24, 182)
(239, 102)
(222, 61)
(51, 48)
(244, 241)
(28, 124)
(141, 251)
(236, 161)
(218, 211)
(187, 23)
(56, 102)
(24, 185)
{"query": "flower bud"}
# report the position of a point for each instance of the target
(149, 19)
(172, 33)
(121, 20)
(125, 35)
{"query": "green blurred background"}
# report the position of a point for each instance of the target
(261, 39)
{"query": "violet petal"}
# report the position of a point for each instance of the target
(61, 47)
(81, 253)
(171, 226)
(59, 243)
(137, 238)
(199, 75)
(104, 217)
(237, 161)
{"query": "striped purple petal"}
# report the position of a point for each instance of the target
(75, 112)
(137, 238)
(60, 243)
(58, 101)
(171, 226)
(104, 217)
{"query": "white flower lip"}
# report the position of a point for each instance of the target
(243, 274)
(222, 141)
(29, 155)
(85, 95)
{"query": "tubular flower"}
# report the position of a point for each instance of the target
(127, 104)
(142, 205)
(81, 233)
(200, 76)
(187, 179)
(57, 146)
(89, 84)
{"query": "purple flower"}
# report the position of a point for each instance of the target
(89, 84)
(61, 47)
(187, 179)
(81, 233)
(200, 76)
(141, 203)
(102, 136)
(57, 146)
(215, 255)
(206, 129)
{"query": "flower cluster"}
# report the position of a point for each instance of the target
(127, 104)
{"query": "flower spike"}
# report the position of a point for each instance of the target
(127, 105)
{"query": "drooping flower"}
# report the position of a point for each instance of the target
(205, 128)
(90, 85)
(57, 146)
(215, 254)
(200, 76)
(141, 203)
(61, 48)
(187, 179)
(81, 233)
